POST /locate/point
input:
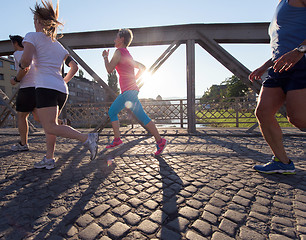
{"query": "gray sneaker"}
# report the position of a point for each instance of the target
(19, 148)
(92, 144)
(45, 163)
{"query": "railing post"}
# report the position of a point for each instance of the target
(181, 113)
(237, 112)
(190, 52)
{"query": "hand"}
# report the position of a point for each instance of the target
(256, 74)
(105, 53)
(13, 82)
(287, 61)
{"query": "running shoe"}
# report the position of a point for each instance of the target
(45, 163)
(92, 144)
(161, 147)
(276, 166)
(114, 143)
(19, 148)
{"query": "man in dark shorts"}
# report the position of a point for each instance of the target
(286, 81)
(25, 101)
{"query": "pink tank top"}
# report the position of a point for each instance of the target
(125, 69)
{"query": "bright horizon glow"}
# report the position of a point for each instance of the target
(169, 81)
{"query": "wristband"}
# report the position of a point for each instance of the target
(15, 79)
(21, 66)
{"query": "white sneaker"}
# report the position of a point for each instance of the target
(19, 148)
(45, 163)
(92, 144)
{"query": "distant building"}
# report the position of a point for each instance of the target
(7, 70)
(81, 90)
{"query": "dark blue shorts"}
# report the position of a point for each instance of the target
(293, 79)
(50, 98)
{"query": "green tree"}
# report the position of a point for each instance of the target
(113, 82)
(215, 93)
(235, 87)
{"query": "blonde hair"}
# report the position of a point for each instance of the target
(48, 17)
(127, 34)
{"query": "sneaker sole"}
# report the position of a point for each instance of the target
(278, 171)
(114, 146)
(47, 167)
(96, 151)
(24, 150)
(162, 150)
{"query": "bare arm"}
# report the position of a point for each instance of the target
(110, 66)
(72, 71)
(141, 68)
(257, 73)
(288, 60)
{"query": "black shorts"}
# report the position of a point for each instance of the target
(293, 79)
(46, 97)
(26, 100)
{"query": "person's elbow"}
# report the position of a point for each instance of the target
(73, 67)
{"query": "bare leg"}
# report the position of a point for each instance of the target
(23, 127)
(115, 125)
(48, 118)
(50, 141)
(153, 130)
(270, 100)
(296, 110)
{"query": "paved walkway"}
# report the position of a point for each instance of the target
(202, 187)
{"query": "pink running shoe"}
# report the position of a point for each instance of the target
(160, 147)
(114, 143)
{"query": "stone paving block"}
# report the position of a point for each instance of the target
(219, 236)
(179, 224)
(132, 218)
(84, 220)
(166, 233)
(90, 232)
(194, 203)
(259, 216)
(283, 221)
(170, 207)
(57, 212)
(235, 216)
(223, 197)
(299, 205)
(228, 226)
(189, 213)
(249, 234)
(245, 194)
(118, 230)
(274, 236)
(99, 210)
(107, 220)
(262, 201)
(287, 231)
(203, 227)
(135, 202)
(241, 200)
(151, 204)
(260, 209)
(213, 209)
(191, 235)
(158, 216)
(210, 217)
(148, 227)
(122, 210)
(70, 231)
(217, 202)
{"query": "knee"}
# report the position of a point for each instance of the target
(260, 114)
(49, 128)
(112, 115)
(297, 122)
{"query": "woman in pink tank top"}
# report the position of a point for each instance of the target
(123, 62)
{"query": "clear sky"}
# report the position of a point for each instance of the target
(170, 80)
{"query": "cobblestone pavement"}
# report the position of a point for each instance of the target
(202, 187)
